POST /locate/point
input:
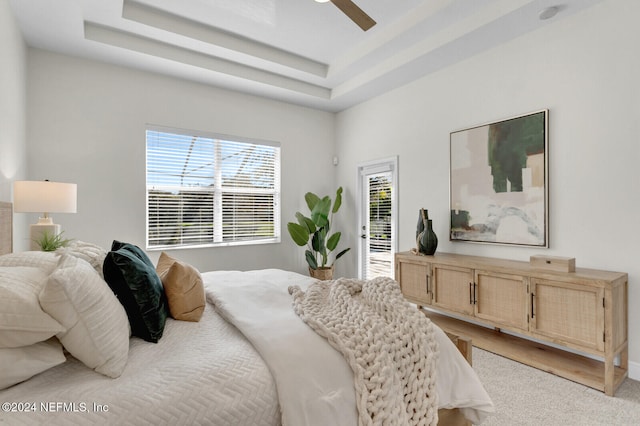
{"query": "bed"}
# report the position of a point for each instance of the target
(208, 371)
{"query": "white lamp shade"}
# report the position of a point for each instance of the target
(44, 197)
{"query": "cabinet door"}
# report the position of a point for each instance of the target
(453, 288)
(414, 279)
(571, 314)
(502, 299)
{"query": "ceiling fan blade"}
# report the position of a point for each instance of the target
(356, 14)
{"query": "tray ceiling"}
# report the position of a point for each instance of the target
(297, 51)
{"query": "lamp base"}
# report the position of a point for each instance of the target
(37, 231)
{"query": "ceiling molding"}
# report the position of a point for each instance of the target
(137, 43)
(430, 44)
(166, 21)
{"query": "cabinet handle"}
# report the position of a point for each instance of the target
(532, 313)
(475, 289)
(470, 294)
(428, 291)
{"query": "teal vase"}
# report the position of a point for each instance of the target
(426, 239)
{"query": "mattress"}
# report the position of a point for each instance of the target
(198, 373)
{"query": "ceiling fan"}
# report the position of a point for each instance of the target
(356, 14)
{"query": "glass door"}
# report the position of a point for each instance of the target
(377, 222)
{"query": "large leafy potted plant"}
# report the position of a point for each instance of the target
(314, 231)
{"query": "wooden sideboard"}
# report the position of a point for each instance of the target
(585, 311)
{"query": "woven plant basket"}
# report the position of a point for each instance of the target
(322, 274)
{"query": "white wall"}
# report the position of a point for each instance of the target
(586, 71)
(87, 125)
(13, 151)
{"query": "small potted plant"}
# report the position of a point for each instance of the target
(51, 242)
(315, 233)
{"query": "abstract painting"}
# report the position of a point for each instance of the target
(499, 182)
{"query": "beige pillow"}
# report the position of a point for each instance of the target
(184, 288)
(19, 364)
(97, 324)
(90, 252)
(22, 320)
(44, 260)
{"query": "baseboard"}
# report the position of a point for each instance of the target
(634, 370)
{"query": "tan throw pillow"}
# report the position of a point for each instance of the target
(183, 287)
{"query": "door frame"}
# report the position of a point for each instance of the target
(388, 164)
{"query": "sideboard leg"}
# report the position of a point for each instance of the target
(609, 372)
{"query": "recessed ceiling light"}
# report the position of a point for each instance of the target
(322, 1)
(547, 13)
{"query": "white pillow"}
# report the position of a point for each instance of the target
(97, 327)
(44, 260)
(22, 320)
(90, 252)
(19, 364)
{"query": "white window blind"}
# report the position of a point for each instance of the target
(379, 254)
(209, 190)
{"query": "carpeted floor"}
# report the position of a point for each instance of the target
(527, 396)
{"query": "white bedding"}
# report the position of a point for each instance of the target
(315, 383)
(209, 373)
(199, 373)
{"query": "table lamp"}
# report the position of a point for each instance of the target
(44, 197)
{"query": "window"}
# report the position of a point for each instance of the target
(206, 190)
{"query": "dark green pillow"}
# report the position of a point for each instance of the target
(133, 278)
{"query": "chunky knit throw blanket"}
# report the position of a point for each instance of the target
(388, 343)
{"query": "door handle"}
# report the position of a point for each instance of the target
(363, 236)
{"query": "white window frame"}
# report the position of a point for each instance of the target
(218, 191)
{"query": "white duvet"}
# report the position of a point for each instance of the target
(314, 382)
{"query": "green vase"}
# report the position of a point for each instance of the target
(426, 239)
